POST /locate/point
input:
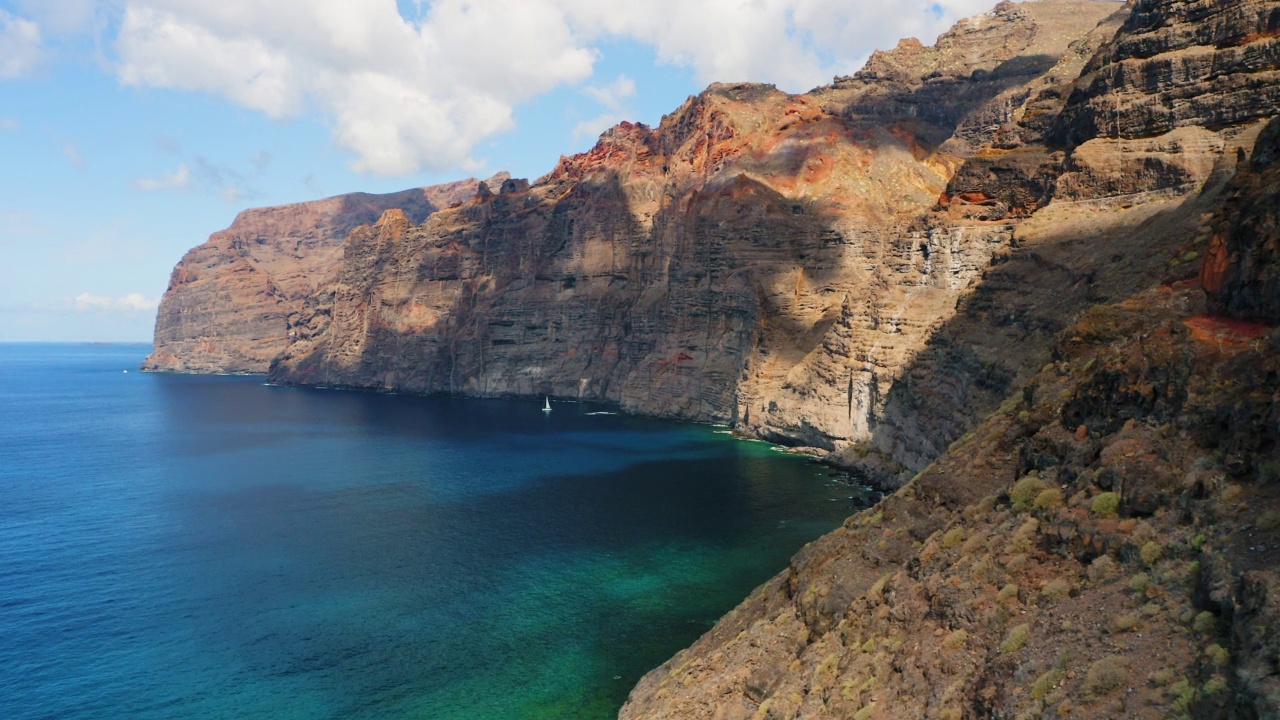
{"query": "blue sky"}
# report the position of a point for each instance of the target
(132, 129)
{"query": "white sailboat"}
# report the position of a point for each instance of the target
(546, 404)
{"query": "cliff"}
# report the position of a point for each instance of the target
(228, 301)
(1103, 543)
(756, 259)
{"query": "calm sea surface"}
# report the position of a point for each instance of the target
(211, 547)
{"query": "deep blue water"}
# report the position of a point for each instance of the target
(211, 547)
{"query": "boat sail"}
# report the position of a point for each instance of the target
(546, 404)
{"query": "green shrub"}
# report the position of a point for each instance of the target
(1007, 593)
(1106, 675)
(955, 640)
(1025, 491)
(1016, 638)
(1047, 499)
(1217, 654)
(1045, 683)
(1215, 685)
(1101, 568)
(1152, 552)
(1023, 537)
(954, 537)
(1140, 582)
(1106, 504)
(1126, 622)
(1205, 623)
(1056, 589)
(1184, 693)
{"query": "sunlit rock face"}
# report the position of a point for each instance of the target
(228, 302)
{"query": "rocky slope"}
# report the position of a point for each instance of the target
(1103, 545)
(228, 300)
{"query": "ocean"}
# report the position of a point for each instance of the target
(214, 547)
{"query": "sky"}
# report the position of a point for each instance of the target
(130, 130)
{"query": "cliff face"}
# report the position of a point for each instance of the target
(1103, 541)
(756, 259)
(229, 300)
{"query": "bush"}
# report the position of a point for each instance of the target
(1056, 589)
(1048, 498)
(1007, 593)
(1025, 491)
(1218, 655)
(1102, 568)
(955, 640)
(1106, 675)
(1106, 504)
(1140, 582)
(1152, 552)
(1023, 537)
(1045, 683)
(954, 537)
(1126, 622)
(1205, 623)
(1016, 638)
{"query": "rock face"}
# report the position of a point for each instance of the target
(229, 300)
(757, 259)
(1242, 272)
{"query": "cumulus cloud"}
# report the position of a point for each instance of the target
(178, 179)
(20, 45)
(403, 94)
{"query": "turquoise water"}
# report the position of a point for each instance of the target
(211, 547)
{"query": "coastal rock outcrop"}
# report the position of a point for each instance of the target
(228, 300)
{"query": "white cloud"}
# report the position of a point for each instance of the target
(89, 303)
(10, 124)
(612, 95)
(179, 179)
(407, 94)
(20, 45)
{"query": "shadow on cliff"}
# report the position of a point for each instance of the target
(698, 282)
(942, 104)
(1005, 327)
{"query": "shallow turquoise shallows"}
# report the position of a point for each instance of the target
(211, 547)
